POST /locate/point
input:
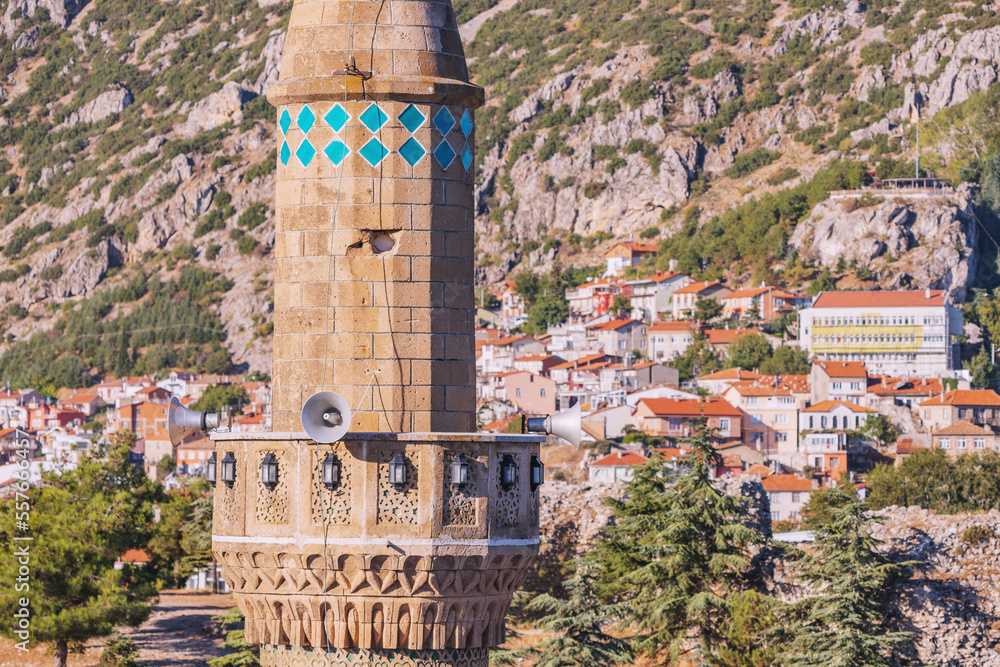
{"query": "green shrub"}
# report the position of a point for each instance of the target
(592, 190)
(973, 535)
(212, 251)
(184, 251)
(707, 69)
(50, 273)
(782, 175)
(254, 216)
(650, 232)
(267, 166)
(747, 163)
(246, 245)
(634, 93)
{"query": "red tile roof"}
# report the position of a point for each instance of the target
(696, 288)
(613, 325)
(900, 299)
(135, 556)
(726, 336)
(634, 247)
(671, 326)
(621, 458)
(781, 482)
(843, 369)
(510, 340)
(963, 427)
(903, 387)
(966, 397)
(731, 374)
(710, 407)
(826, 406)
(660, 277)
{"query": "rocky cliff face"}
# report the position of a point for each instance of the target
(905, 242)
(130, 132)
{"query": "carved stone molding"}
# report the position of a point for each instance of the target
(284, 656)
(372, 601)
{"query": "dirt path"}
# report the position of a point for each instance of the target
(177, 634)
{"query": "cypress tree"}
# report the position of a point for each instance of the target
(580, 640)
(679, 550)
(843, 624)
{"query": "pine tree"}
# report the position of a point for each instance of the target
(81, 522)
(843, 624)
(581, 641)
(679, 549)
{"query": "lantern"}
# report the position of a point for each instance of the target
(331, 471)
(269, 471)
(537, 473)
(228, 469)
(210, 466)
(397, 471)
(460, 470)
(508, 472)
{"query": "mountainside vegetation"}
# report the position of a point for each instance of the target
(136, 147)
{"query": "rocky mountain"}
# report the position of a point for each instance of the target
(136, 146)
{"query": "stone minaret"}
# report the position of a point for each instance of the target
(374, 231)
(374, 300)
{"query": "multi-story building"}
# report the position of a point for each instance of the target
(890, 332)
(620, 337)
(671, 418)
(832, 416)
(593, 297)
(770, 407)
(513, 312)
(652, 296)
(626, 255)
(686, 299)
(963, 438)
(838, 381)
(669, 340)
(979, 406)
(787, 495)
(498, 355)
(763, 303)
(718, 382)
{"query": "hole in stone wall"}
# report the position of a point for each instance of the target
(383, 243)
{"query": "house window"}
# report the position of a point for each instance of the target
(795, 497)
(773, 496)
(961, 443)
(810, 421)
(945, 443)
(724, 425)
(980, 443)
(517, 392)
(775, 516)
(751, 400)
(834, 462)
(541, 392)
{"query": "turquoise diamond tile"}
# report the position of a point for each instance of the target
(373, 151)
(285, 121)
(306, 119)
(337, 117)
(445, 154)
(444, 121)
(411, 118)
(286, 153)
(305, 152)
(373, 117)
(336, 150)
(466, 157)
(412, 151)
(466, 123)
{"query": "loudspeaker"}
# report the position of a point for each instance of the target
(566, 425)
(326, 417)
(182, 422)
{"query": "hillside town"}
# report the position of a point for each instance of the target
(76, 421)
(881, 377)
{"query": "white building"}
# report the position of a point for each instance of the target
(615, 467)
(892, 333)
(669, 340)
